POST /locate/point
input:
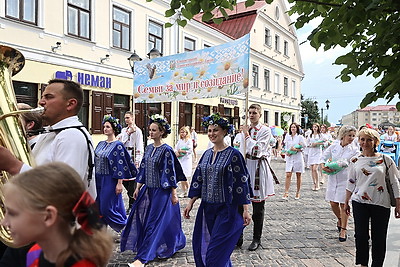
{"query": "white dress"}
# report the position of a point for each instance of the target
(314, 152)
(257, 153)
(238, 143)
(295, 162)
(336, 188)
(186, 160)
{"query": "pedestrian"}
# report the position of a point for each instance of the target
(65, 140)
(32, 122)
(294, 143)
(328, 140)
(370, 199)
(132, 138)
(57, 218)
(113, 164)
(154, 227)
(257, 137)
(184, 152)
(239, 141)
(314, 144)
(193, 134)
(339, 153)
(221, 181)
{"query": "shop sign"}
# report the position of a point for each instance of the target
(228, 101)
(85, 78)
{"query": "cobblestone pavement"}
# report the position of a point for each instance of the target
(296, 233)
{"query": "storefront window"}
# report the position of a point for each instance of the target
(121, 106)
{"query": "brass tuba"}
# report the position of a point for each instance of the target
(12, 132)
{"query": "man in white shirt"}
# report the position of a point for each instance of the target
(66, 140)
(132, 138)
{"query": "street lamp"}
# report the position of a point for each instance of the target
(154, 53)
(132, 59)
(327, 102)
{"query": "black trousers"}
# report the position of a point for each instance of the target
(258, 218)
(130, 187)
(379, 216)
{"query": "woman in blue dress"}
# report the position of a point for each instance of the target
(221, 180)
(112, 165)
(154, 227)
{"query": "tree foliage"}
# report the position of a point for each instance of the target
(370, 27)
(309, 110)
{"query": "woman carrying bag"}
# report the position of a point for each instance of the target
(368, 191)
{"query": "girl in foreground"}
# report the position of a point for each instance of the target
(49, 212)
(221, 180)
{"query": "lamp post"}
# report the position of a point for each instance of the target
(327, 102)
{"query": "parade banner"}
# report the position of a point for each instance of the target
(211, 72)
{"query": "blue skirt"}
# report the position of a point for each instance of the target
(216, 232)
(154, 227)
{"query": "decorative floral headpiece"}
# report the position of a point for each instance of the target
(157, 118)
(114, 123)
(216, 119)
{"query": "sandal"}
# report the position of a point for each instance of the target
(339, 224)
(285, 196)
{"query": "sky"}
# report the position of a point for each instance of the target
(320, 84)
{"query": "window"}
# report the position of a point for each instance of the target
(276, 118)
(293, 88)
(79, 18)
(277, 83)
(121, 28)
(83, 114)
(277, 13)
(277, 42)
(255, 76)
(286, 48)
(121, 106)
(22, 10)
(267, 37)
(267, 81)
(266, 116)
(156, 36)
(26, 93)
(285, 86)
(185, 114)
(189, 45)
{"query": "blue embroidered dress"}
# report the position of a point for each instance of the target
(154, 226)
(223, 185)
(112, 162)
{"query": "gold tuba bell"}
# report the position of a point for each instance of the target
(12, 132)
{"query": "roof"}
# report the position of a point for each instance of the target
(240, 21)
(379, 108)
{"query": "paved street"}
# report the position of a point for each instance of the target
(296, 233)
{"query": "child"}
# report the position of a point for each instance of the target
(48, 208)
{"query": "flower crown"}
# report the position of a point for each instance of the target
(157, 118)
(114, 123)
(216, 119)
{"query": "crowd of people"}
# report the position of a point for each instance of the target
(65, 221)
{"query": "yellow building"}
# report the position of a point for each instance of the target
(90, 41)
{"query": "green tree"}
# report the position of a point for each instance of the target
(370, 27)
(310, 111)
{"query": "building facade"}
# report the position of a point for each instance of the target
(373, 115)
(89, 42)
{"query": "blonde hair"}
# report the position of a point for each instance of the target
(186, 129)
(58, 185)
(371, 133)
(345, 129)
